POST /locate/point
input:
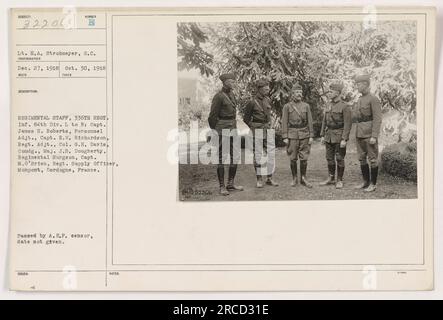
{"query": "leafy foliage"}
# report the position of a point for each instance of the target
(189, 113)
(315, 54)
(191, 54)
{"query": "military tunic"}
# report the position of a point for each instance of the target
(223, 111)
(368, 117)
(257, 112)
(336, 126)
(297, 126)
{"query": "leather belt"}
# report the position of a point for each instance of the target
(259, 121)
(298, 126)
(335, 127)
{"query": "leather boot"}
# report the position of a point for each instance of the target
(271, 182)
(365, 173)
(231, 186)
(259, 181)
(221, 180)
(340, 171)
(373, 185)
(294, 173)
(331, 176)
(303, 169)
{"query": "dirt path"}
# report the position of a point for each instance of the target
(199, 182)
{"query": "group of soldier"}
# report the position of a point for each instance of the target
(298, 132)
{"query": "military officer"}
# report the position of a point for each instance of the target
(257, 116)
(298, 133)
(335, 129)
(368, 116)
(222, 119)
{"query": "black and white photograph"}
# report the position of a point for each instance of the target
(223, 150)
(297, 110)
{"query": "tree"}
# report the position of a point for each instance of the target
(191, 55)
(315, 54)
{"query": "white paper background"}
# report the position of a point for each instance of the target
(4, 158)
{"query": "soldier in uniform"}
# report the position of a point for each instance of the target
(334, 133)
(257, 117)
(368, 116)
(222, 119)
(298, 133)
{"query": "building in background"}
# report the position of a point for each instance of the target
(187, 88)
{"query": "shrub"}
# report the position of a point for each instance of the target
(189, 113)
(400, 160)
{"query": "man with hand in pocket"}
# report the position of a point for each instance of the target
(257, 116)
